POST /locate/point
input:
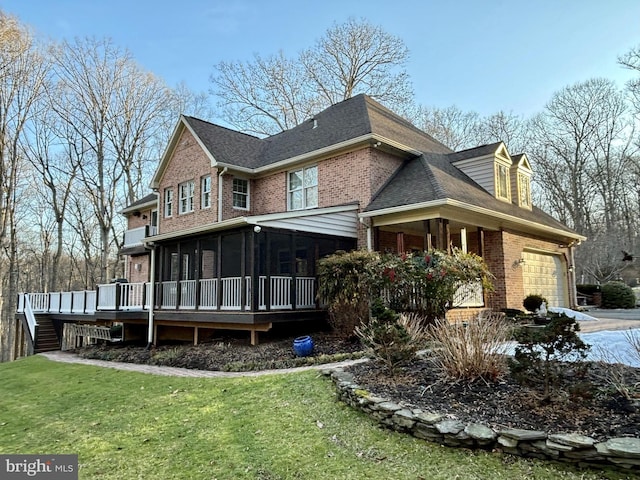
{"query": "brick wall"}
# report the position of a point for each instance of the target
(502, 250)
(188, 162)
(138, 274)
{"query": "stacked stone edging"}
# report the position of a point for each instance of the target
(620, 452)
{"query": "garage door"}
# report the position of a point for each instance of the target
(543, 274)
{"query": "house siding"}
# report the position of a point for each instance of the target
(481, 171)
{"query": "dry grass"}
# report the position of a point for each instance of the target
(471, 351)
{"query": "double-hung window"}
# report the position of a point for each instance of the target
(205, 191)
(185, 191)
(303, 188)
(241, 193)
(168, 202)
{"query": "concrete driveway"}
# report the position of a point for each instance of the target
(610, 319)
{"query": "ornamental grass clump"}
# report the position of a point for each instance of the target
(471, 351)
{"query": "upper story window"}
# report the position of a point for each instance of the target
(205, 191)
(303, 188)
(502, 182)
(168, 202)
(524, 183)
(240, 193)
(185, 190)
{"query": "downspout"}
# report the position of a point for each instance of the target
(572, 276)
(224, 170)
(151, 299)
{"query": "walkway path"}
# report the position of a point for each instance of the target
(67, 357)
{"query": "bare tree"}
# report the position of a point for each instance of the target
(358, 57)
(22, 75)
(580, 146)
(269, 95)
(114, 110)
(456, 129)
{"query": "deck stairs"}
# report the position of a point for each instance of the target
(46, 336)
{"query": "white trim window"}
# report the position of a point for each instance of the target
(525, 190)
(168, 202)
(241, 193)
(502, 181)
(185, 190)
(205, 192)
(303, 188)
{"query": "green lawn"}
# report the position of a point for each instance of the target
(127, 425)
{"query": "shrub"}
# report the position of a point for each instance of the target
(393, 339)
(344, 284)
(426, 282)
(471, 351)
(617, 295)
(542, 353)
(533, 302)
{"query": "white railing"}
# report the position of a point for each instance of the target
(108, 296)
(169, 294)
(305, 292)
(77, 302)
(66, 302)
(135, 236)
(188, 294)
(209, 294)
(280, 293)
(31, 318)
(54, 301)
(231, 293)
(39, 302)
(469, 295)
(132, 295)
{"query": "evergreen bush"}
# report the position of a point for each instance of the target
(533, 302)
(618, 295)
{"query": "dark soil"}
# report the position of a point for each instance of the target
(582, 404)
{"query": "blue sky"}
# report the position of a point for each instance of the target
(482, 56)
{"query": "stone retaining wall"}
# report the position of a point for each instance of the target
(622, 452)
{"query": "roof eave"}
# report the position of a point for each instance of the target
(477, 210)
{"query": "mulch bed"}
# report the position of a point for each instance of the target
(588, 405)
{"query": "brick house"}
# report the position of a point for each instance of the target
(231, 235)
(239, 222)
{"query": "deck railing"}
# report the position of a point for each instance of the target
(231, 293)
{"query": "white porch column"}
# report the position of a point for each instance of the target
(152, 294)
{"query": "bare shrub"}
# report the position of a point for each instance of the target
(471, 351)
(633, 338)
(623, 379)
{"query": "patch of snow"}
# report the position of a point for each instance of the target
(572, 313)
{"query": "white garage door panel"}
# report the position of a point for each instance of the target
(543, 274)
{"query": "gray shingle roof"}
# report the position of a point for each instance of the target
(347, 120)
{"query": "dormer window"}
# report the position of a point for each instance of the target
(502, 181)
(524, 185)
